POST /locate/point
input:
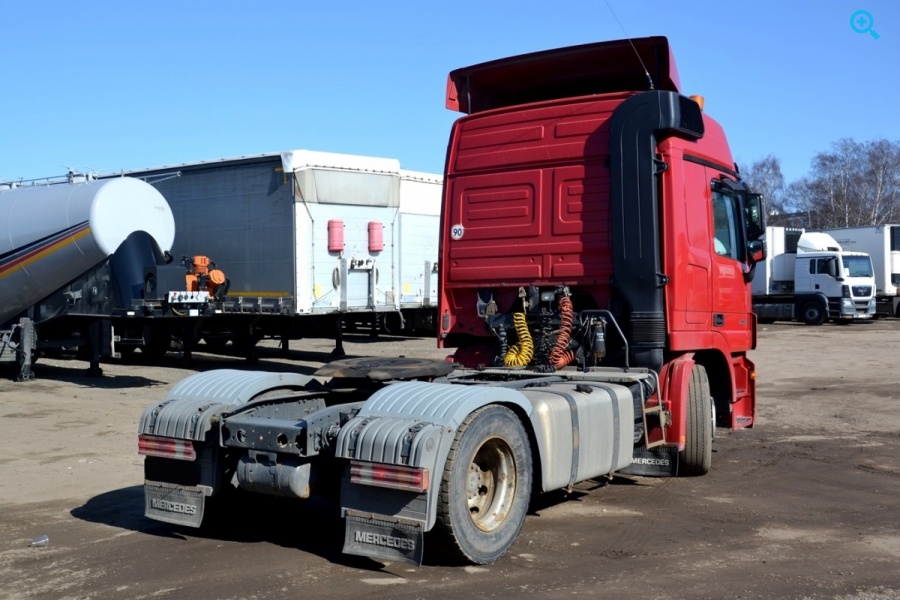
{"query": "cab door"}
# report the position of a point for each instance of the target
(731, 309)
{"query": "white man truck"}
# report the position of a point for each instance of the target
(808, 276)
(882, 244)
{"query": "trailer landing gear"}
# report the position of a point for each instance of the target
(25, 351)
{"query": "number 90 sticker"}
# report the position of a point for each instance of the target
(457, 232)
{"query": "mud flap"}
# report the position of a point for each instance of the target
(657, 462)
(174, 504)
(385, 538)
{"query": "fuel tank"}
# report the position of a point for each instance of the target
(53, 233)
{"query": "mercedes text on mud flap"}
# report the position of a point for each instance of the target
(596, 252)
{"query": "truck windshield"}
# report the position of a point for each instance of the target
(858, 266)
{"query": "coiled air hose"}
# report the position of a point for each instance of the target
(521, 352)
(560, 357)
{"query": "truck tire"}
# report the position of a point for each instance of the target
(157, 346)
(486, 485)
(696, 457)
(215, 343)
(813, 313)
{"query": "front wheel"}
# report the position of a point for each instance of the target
(486, 485)
(696, 457)
(813, 314)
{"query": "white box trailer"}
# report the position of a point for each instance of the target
(420, 214)
(305, 233)
(882, 243)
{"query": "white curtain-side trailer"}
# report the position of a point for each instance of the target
(309, 234)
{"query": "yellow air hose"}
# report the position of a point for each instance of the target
(520, 353)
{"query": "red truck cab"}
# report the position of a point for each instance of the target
(593, 217)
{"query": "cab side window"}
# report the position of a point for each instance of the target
(725, 225)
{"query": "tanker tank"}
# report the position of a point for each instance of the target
(55, 232)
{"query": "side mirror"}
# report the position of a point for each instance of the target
(754, 216)
(756, 251)
(831, 265)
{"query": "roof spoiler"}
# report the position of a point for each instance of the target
(584, 70)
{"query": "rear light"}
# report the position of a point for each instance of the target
(151, 445)
(395, 477)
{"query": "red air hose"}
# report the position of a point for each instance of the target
(559, 356)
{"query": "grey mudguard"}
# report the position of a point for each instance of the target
(414, 423)
(188, 409)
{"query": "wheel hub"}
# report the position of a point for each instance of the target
(491, 484)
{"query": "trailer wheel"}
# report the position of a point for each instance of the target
(813, 314)
(215, 343)
(486, 485)
(697, 454)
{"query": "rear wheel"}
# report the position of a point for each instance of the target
(215, 343)
(486, 485)
(696, 457)
(813, 314)
(392, 323)
(156, 345)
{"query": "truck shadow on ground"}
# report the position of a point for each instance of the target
(79, 376)
(74, 368)
(266, 360)
(262, 357)
(315, 528)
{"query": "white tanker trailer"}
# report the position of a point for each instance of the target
(55, 250)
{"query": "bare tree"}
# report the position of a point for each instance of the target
(881, 182)
(856, 183)
(801, 200)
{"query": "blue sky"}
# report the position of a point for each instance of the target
(116, 85)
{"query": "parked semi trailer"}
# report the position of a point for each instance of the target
(596, 327)
(72, 252)
(808, 276)
(309, 234)
(882, 244)
(84, 266)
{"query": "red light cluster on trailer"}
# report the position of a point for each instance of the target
(151, 445)
(410, 479)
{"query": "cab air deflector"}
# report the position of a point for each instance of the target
(637, 126)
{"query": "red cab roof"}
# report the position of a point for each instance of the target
(584, 70)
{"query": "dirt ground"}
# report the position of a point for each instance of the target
(805, 505)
